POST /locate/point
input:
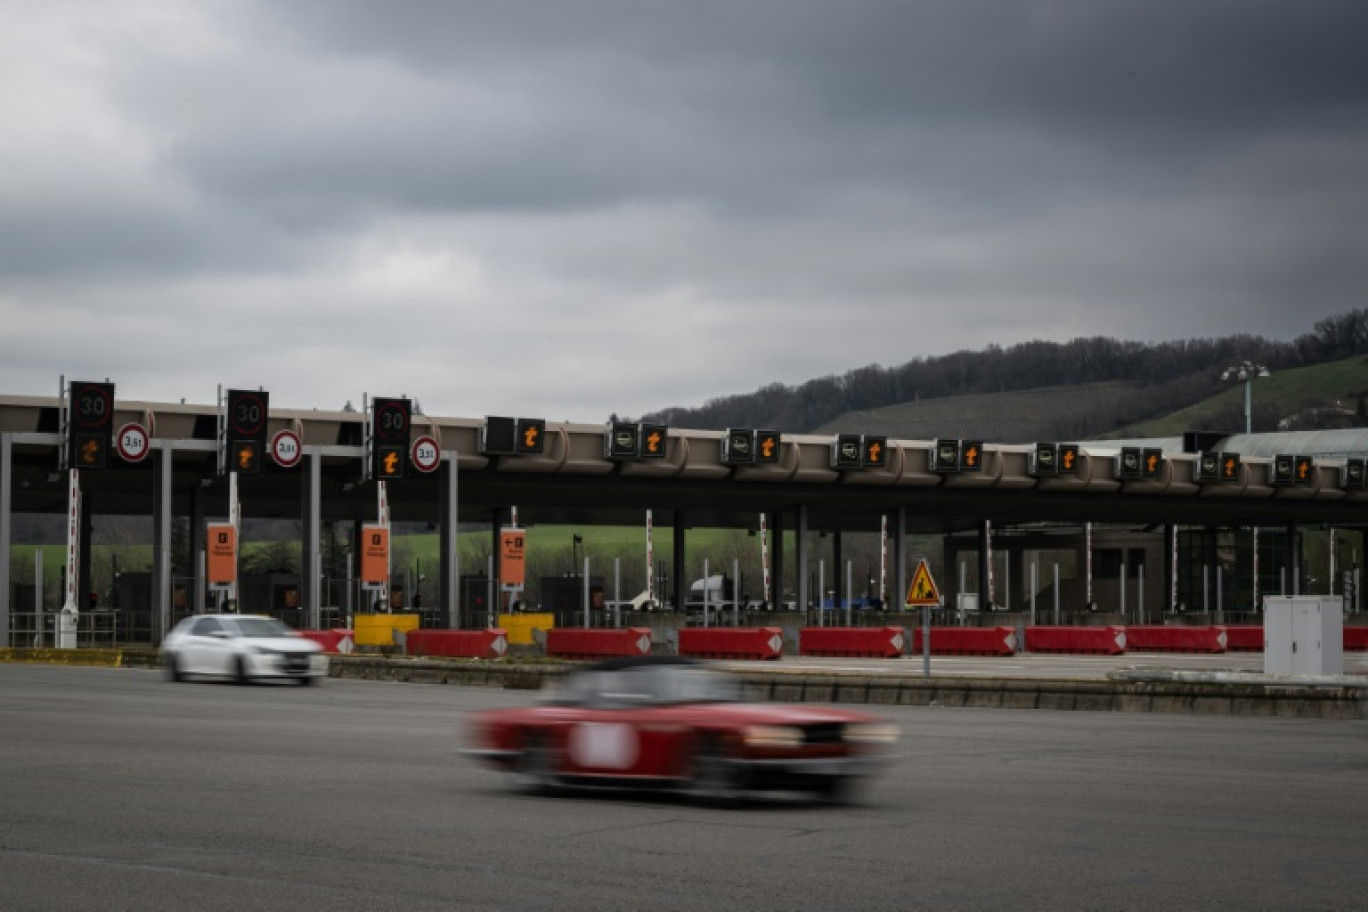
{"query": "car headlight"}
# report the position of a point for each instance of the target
(773, 736)
(872, 733)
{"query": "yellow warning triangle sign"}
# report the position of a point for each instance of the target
(923, 590)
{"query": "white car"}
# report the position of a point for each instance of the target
(242, 647)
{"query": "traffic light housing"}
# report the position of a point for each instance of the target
(391, 425)
(653, 438)
(738, 446)
(767, 447)
(1151, 462)
(499, 436)
(971, 456)
(945, 457)
(846, 451)
(1044, 460)
(1130, 464)
(1284, 469)
(90, 424)
(245, 437)
(622, 441)
(1069, 458)
(531, 436)
(874, 452)
(1354, 475)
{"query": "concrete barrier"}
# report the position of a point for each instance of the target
(98, 658)
(870, 642)
(1096, 640)
(597, 642)
(465, 644)
(1175, 639)
(338, 641)
(999, 641)
(731, 642)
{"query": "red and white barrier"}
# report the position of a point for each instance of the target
(597, 642)
(1356, 639)
(996, 641)
(464, 644)
(336, 641)
(731, 642)
(1103, 640)
(1245, 638)
(1176, 639)
(874, 642)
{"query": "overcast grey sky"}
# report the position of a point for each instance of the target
(571, 208)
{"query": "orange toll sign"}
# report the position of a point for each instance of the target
(512, 557)
(220, 545)
(374, 555)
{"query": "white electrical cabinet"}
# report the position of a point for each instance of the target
(1304, 635)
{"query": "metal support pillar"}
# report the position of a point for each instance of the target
(6, 505)
(776, 525)
(679, 584)
(197, 554)
(1292, 561)
(900, 582)
(838, 572)
(448, 543)
(1170, 566)
(311, 560)
(84, 585)
(801, 554)
(496, 521)
(985, 555)
(162, 508)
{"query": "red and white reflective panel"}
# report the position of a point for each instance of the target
(286, 449)
(427, 456)
(132, 442)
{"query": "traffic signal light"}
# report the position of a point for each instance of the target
(1230, 467)
(246, 430)
(1284, 469)
(874, 452)
(1208, 466)
(90, 422)
(1301, 473)
(391, 422)
(1354, 475)
(1044, 460)
(499, 437)
(623, 441)
(1151, 462)
(971, 455)
(531, 432)
(738, 447)
(1130, 463)
(1069, 457)
(846, 451)
(767, 447)
(945, 457)
(653, 439)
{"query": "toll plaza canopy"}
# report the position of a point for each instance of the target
(168, 460)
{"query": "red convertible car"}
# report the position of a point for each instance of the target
(674, 722)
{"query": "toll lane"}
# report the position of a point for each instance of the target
(121, 790)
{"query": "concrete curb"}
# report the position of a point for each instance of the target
(1295, 698)
(1200, 693)
(98, 658)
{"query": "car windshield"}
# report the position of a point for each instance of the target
(259, 627)
(646, 685)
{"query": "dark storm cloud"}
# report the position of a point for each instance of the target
(861, 181)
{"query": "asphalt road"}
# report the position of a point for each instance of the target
(119, 790)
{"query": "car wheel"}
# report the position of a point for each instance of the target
(307, 681)
(535, 769)
(240, 671)
(712, 779)
(173, 668)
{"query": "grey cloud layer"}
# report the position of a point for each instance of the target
(711, 176)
